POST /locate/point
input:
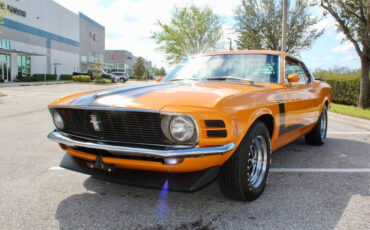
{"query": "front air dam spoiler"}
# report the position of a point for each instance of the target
(181, 182)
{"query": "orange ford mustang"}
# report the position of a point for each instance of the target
(215, 115)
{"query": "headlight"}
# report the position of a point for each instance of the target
(58, 120)
(179, 129)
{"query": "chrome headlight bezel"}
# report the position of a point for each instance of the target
(166, 122)
(58, 120)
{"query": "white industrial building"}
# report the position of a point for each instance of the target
(41, 36)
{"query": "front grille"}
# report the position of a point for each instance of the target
(119, 126)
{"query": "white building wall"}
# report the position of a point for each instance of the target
(69, 61)
(47, 15)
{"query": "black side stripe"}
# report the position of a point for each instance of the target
(282, 129)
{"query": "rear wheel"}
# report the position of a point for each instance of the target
(122, 80)
(318, 135)
(244, 175)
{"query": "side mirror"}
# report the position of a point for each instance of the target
(294, 77)
(159, 79)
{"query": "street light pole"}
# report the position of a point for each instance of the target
(231, 48)
(284, 25)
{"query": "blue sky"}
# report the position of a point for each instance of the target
(130, 23)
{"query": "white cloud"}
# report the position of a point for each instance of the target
(343, 48)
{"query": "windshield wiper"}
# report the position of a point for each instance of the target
(231, 78)
(185, 79)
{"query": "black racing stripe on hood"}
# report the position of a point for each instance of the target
(125, 90)
(130, 93)
(88, 99)
(154, 89)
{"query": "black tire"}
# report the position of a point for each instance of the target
(234, 177)
(122, 80)
(317, 136)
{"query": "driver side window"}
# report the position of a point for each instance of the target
(294, 67)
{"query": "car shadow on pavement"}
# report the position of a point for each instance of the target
(290, 201)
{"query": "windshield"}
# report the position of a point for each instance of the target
(262, 68)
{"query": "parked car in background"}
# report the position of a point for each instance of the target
(121, 76)
(90, 73)
(215, 115)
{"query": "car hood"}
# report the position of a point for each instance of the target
(156, 96)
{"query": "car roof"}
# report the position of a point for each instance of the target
(275, 52)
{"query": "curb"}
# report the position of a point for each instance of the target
(17, 84)
(355, 121)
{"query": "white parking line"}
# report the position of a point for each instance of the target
(360, 133)
(321, 170)
(56, 168)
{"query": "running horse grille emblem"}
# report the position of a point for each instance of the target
(94, 121)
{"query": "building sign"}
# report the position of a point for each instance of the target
(93, 36)
(12, 9)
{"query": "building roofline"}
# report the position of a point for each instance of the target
(9, 23)
(92, 21)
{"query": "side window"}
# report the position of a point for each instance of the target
(308, 73)
(294, 67)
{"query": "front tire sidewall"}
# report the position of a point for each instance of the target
(251, 192)
(234, 178)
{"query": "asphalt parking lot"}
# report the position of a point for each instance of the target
(325, 187)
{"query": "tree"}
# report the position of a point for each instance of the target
(259, 25)
(139, 68)
(162, 72)
(159, 72)
(353, 18)
(155, 71)
(96, 70)
(192, 30)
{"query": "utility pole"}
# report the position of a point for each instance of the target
(231, 48)
(284, 25)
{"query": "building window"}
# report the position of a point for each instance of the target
(83, 58)
(96, 57)
(24, 66)
(5, 67)
(4, 44)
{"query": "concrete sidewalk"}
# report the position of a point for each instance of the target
(17, 84)
(354, 121)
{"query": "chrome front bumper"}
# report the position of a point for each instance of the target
(122, 150)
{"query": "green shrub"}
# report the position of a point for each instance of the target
(345, 91)
(24, 79)
(101, 80)
(65, 77)
(81, 78)
(42, 77)
(139, 78)
(345, 84)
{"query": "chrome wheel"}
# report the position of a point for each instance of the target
(257, 161)
(323, 124)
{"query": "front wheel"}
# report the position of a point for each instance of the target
(318, 135)
(244, 175)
